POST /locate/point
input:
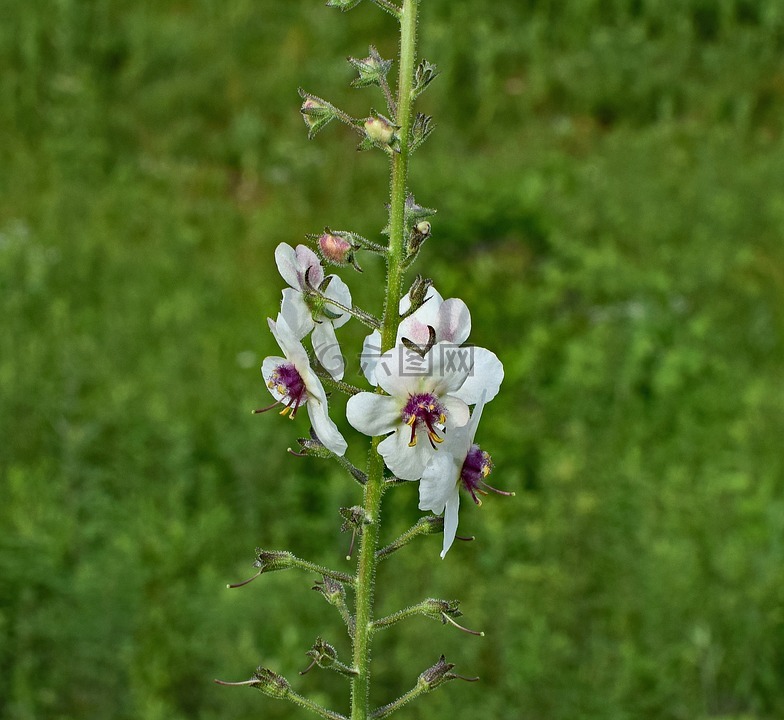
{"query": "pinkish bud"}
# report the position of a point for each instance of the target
(379, 130)
(335, 249)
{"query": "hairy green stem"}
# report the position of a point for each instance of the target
(374, 489)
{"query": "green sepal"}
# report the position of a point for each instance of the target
(372, 69)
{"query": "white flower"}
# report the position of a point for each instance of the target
(304, 311)
(450, 321)
(460, 462)
(425, 403)
(291, 381)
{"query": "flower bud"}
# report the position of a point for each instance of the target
(315, 112)
(335, 249)
(372, 69)
(379, 130)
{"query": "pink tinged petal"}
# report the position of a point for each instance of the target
(373, 414)
(286, 260)
(413, 329)
(307, 259)
(453, 323)
(267, 368)
(457, 413)
(371, 352)
(486, 377)
(450, 521)
(406, 462)
(338, 290)
(325, 428)
(325, 345)
(439, 480)
(296, 313)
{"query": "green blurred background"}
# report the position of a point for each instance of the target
(609, 176)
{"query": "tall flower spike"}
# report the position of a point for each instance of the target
(305, 308)
(461, 464)
(293, 383)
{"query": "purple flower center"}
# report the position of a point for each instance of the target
(424, 410)
(287, 381)
(476, 467)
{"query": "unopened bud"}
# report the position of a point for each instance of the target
(379, 130)
(315, 112)
(335, 249)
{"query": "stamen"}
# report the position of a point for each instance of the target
(496, 490)
(263, 410)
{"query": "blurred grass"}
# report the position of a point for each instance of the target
(609, 181)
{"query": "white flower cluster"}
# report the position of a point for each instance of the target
(430, 380)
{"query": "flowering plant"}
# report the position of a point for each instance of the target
(423, 381)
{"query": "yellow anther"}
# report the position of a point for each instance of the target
(413, 441)
(270, 384)
(442, 419)
(485, 470)
(435, 437)
(411, 421)
(285, 410)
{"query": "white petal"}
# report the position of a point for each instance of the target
(456, 411)
(371, 352)
(486, 376)
(373, 414)
(327, 350)
(450, 521)
(296, 313)
(406, 462)
(338, 290)
(453, 323)
(290, 344)
(439, 480)
(401, 372)
(267, 368)
(450, 366)
(286, 260)
(325, 428)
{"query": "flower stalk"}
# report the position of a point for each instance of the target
(374, 489)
